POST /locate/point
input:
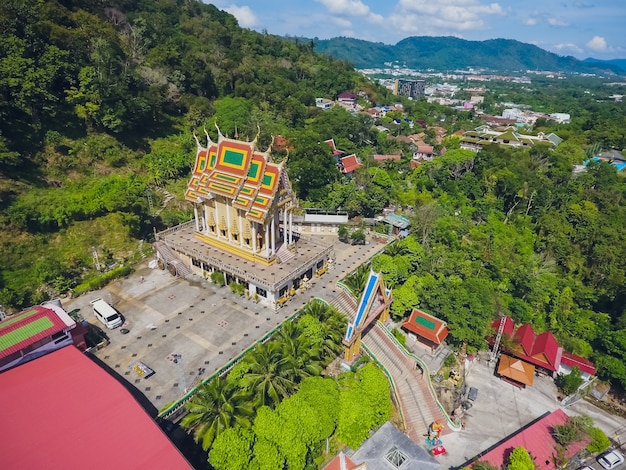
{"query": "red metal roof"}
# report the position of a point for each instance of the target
(25, 328)
(525, 336)
(509, 326)
(426, 326)
(341, 462)
(546, 349)
(84, 418)
(538, 440)
(572, 360)
(380, 158)
(350, 163)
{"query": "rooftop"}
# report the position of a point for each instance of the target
(83, 417)
(30, 326)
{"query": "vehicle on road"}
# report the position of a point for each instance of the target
(610, 459)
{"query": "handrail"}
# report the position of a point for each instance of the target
(454, 426)
(175, 406)
(391, 381)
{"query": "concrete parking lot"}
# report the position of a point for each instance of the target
(205, 325)
(501, 409)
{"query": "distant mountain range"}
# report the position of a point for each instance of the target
(621, 63)
(450, 53)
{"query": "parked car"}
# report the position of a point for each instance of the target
(106, 314)
(610, 459)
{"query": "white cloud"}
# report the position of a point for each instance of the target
(568, 47)
(443, 16)
(346, 7)
(530, 21)
(557, 22)
(351, 8)
(597, 43)
(244, 15)
(342, 22)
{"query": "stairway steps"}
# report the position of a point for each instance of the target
(418, 404)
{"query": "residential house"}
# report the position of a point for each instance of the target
(349, 164)
(347, 99)
(323, 103)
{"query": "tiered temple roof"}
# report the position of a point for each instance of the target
(240, 172)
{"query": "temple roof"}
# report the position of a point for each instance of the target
(238, 171)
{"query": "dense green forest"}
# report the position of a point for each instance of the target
(451, 53)
(100, 100)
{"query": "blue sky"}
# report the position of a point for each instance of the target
(581, 28)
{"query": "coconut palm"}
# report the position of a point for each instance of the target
(269, 374)
(357, 279)
(216, 406)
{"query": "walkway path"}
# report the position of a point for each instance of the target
(416, 400)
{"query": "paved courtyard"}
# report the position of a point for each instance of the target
(501, 409)
(206, 325)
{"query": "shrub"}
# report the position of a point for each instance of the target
(449, 361)
(599, 440)
(520, 459)
(399, 336)
(569, 383)
(236, 288)
(565, 434)
(218, 278)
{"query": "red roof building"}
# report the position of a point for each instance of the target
(541, 350)
(34, 332)
(349, 164)
(342, 462)
(538, 440)
(62, 410)
(426, 326)
(572, 360)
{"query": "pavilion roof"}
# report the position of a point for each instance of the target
(426, 326)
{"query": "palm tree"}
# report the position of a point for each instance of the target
(302, 357)
(269, 374)
(316, 308)
(356, 281)
(216, 406)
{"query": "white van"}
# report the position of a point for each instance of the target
(106, 314)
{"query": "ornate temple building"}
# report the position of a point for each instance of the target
(243, 224)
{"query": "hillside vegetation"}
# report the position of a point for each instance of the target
(99, 101)
(450, 53)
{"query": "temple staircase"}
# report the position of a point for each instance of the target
(416, 400)
(284, 254)
(170, 259)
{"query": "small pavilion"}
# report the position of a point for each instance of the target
(429, 330)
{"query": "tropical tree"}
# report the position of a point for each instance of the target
(216, 406)
(269, 375)
(356, 280)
